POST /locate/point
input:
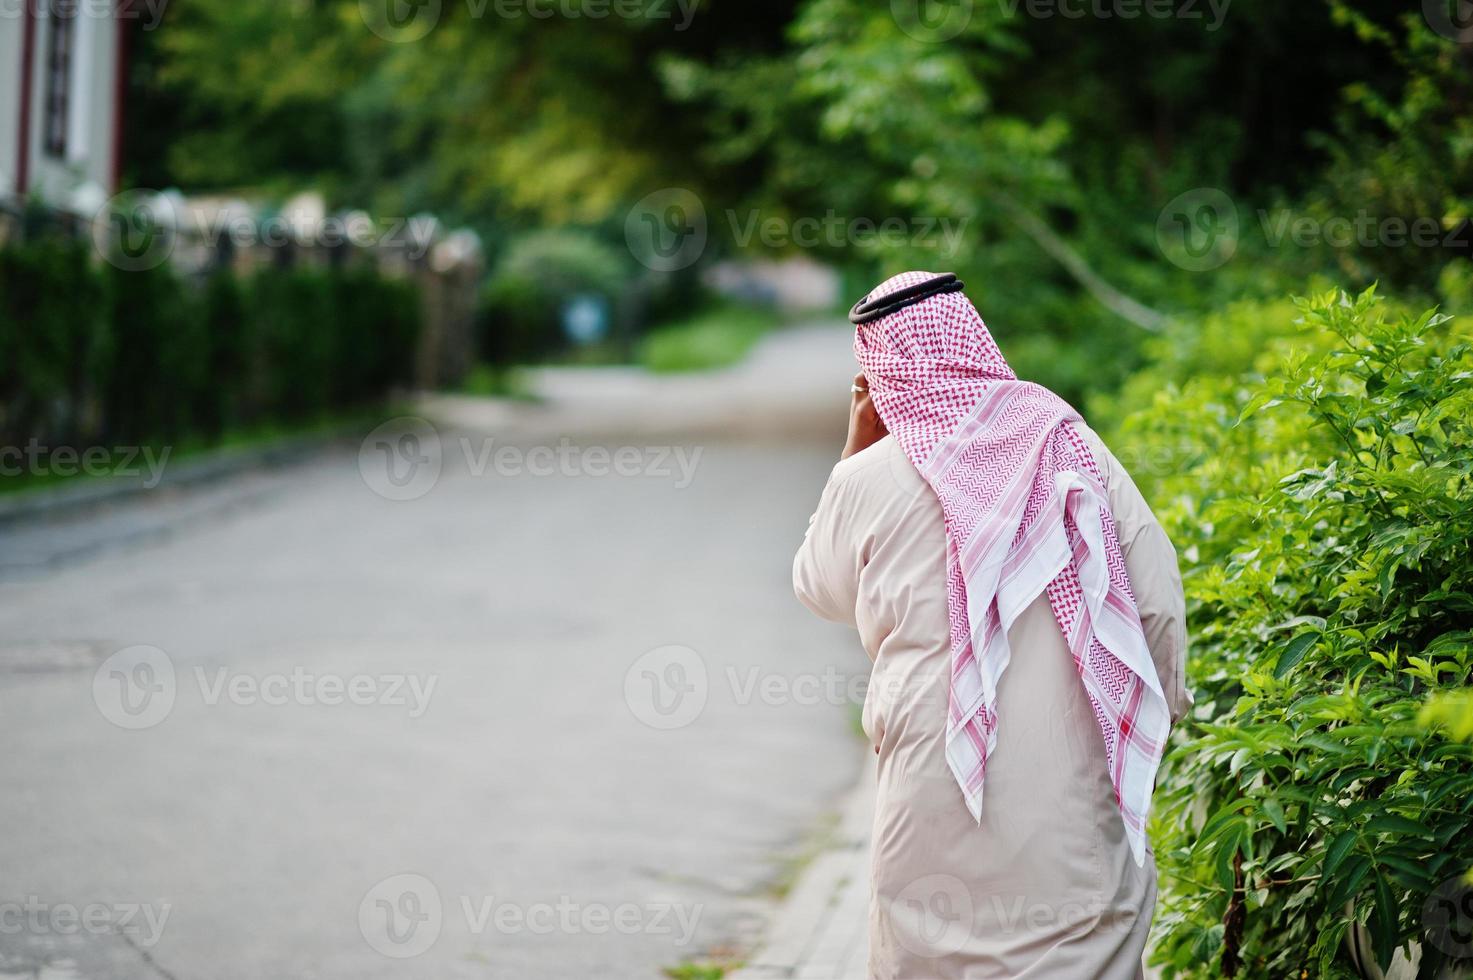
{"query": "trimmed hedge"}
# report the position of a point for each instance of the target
(51, 343)
(92, 352)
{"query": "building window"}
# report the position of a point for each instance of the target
(60, 47)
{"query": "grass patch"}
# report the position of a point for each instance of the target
(702, 970)
(494, 381)
(792, 866)
(133, 460)
(715, 338)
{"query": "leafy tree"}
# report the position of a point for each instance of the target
(230, 95)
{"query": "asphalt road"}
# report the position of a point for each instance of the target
(552, 713)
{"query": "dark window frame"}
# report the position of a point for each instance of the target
(61, 43)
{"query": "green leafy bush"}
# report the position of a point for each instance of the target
(155, 362)
(522, 302)
(48, 312)
(1322, 498)
(377, 325)
(90, 351)
(291, 316)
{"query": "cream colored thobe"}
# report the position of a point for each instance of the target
(1045, 885)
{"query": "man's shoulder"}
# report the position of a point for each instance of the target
(881, 468)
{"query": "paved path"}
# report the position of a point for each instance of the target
(822, 930)
(594, 721)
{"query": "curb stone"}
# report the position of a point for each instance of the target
(821, 931)
(210, 465)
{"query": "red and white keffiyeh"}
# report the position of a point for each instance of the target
(1026, 512)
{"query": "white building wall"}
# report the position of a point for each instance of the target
(87, 167)
(10, 51)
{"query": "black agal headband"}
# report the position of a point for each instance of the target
(867, 310)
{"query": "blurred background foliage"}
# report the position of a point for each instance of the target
(1311, 458)
(1058, 140)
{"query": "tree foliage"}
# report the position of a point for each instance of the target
(1325, 509)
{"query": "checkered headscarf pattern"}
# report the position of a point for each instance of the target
(1026, 513)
